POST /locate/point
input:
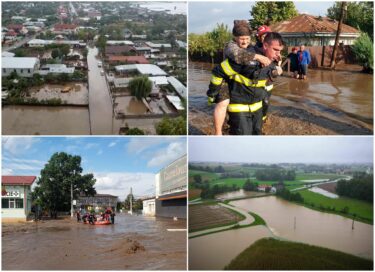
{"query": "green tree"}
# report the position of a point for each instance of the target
(140, 87)
(55, 53)
(54, 185)
(135, 131)
(359, 15)
(171, 126)
(267, 13)
(363, 49)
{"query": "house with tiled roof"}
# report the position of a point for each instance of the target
(16, 197)
(113, 59)
(65, 28)
(314, 31)
(120, 50)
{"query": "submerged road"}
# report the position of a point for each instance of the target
(100, 104)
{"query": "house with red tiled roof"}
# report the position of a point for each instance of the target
(65, 28)
(120, 50)
(17, 28)
(16, 197)
(113, 59)
(314, 31)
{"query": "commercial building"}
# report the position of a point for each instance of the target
(171, 190)
(16, 197)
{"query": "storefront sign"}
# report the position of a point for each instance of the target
(12, 194)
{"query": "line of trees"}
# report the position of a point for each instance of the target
(275, 174)
(287, 195)
(360, 187)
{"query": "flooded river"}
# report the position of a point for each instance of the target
(42, 120)
(337, 96)
(132, 243)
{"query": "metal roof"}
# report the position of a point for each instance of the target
(18, 63)
(144, 69)
(178, 86)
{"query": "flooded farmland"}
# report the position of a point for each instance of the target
(132, 243)
(329, 102)
(312, 227)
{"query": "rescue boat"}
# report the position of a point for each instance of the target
(102, 222)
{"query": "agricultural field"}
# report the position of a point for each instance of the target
(194, 193)
(361, 209)
(271, 254)
(210, 216)
(330, 187)
(303, 176)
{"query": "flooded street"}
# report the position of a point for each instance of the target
(99, 98)
(132, 243)
(42, 120)
(215, 251)
(312, 227)
(329, 102)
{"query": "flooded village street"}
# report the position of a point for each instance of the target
(100, 104)
(132, 243)
(328, 102)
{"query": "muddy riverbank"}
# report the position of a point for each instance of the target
(328, 103)
(132, 243)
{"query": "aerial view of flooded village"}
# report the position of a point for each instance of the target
(100, 68)
(295, 203)
(84, 203)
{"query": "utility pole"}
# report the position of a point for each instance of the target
(71, 195)
(334, 53)
(131, 200)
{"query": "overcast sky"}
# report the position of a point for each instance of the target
(117, 163)
(300, 149)
(203, 16)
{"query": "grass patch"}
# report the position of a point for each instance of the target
(272, 254)
(363, 210)
(258, 220)
(303, 176)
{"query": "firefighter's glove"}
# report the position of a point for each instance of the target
(210, 101)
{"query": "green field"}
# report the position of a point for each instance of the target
(205, 175)
(271, 254)
(303, 176)
(362, 209)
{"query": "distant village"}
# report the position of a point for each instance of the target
(62, 48)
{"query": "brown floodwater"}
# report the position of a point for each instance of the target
(238, 194)
(312, 227)
(132, 243)
(215, 251)
(99, 98)
(129, 105)
(44, 120)
(340, 96)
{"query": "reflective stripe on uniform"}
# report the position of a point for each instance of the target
(245, 107)
(248, 82)
(264, 117)
(216, 80)
(269, 87)
(227, 68)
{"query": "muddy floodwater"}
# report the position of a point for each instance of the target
(42, 120)
(238, 194)
(215, 251)
(129, 105)
(312, 227)
(329, 102)
(132, 243)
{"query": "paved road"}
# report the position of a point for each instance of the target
(100, 103)
(247, 221)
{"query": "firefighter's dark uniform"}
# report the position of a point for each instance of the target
(247, 85)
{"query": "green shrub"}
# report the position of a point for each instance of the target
(363, 49)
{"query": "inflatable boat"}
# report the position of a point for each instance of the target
(99, 222)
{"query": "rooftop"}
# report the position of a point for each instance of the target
(129, 59)
(311, 24)
(18, 63)
(144, 69)
(17, 180)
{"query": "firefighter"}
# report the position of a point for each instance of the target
(236, 50)
(246, 87)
